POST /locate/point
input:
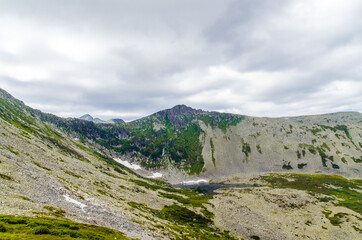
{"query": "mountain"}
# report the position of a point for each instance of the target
(212, 144)
(56, 174)
(88, 117)
(115, 121)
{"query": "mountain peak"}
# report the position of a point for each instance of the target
(87, 117)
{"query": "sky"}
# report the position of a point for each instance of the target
(128, 59)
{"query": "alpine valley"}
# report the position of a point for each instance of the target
(263, 178)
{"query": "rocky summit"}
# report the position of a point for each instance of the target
(271, 178)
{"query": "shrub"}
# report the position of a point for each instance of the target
(40, 230)
(2, 228)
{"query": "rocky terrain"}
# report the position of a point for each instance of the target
(65, 169)
(330, 143)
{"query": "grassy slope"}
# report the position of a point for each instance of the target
(347, 193)
(12, 227)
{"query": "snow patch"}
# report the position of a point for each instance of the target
(127, 164)
(156, 175)
(71, 200)
(198, 181)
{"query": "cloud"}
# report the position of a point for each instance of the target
(129, 59)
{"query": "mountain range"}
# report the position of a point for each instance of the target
(59, 172)
(98, 120)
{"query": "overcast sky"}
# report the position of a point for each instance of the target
(128, 59)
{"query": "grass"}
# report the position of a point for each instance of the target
(41, 166)
(55, 211)
(336, 218)
(184, 196)
(212, 152)
(6, 177)
(346, 192)
(73, 174)
(187, 224)
(193, 200)
(14, 227)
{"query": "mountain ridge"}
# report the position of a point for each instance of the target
(194, 140)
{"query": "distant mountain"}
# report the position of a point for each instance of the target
(115, 121)
(88, 117)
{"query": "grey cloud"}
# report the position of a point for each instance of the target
(148, 47)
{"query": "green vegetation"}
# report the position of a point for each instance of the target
(357, 160)
(184, 196)
(287, 166)
(315, 130)
(24, 198)
(346, 192)
(187, 224)
(73, 174)
(342, 128)
(6, 177)
(12, 227)
(222, 121)
(196, 200)
(336, 219)
(302, 165)
(58, 212)
(312, 150)
(259, 149)
(299, 155)
(225, 122)
(187, 147)
(101, 184)
(11, 149)
(246, 148)
(41, 166)
(212, 152)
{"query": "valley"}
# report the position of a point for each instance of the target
(285, 178)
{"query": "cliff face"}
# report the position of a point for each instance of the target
(328, 143)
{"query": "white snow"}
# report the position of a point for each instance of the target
(127, 164)
(197, 181)
(156, 175)
(71, 200)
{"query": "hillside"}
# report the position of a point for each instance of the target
(46, 173)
